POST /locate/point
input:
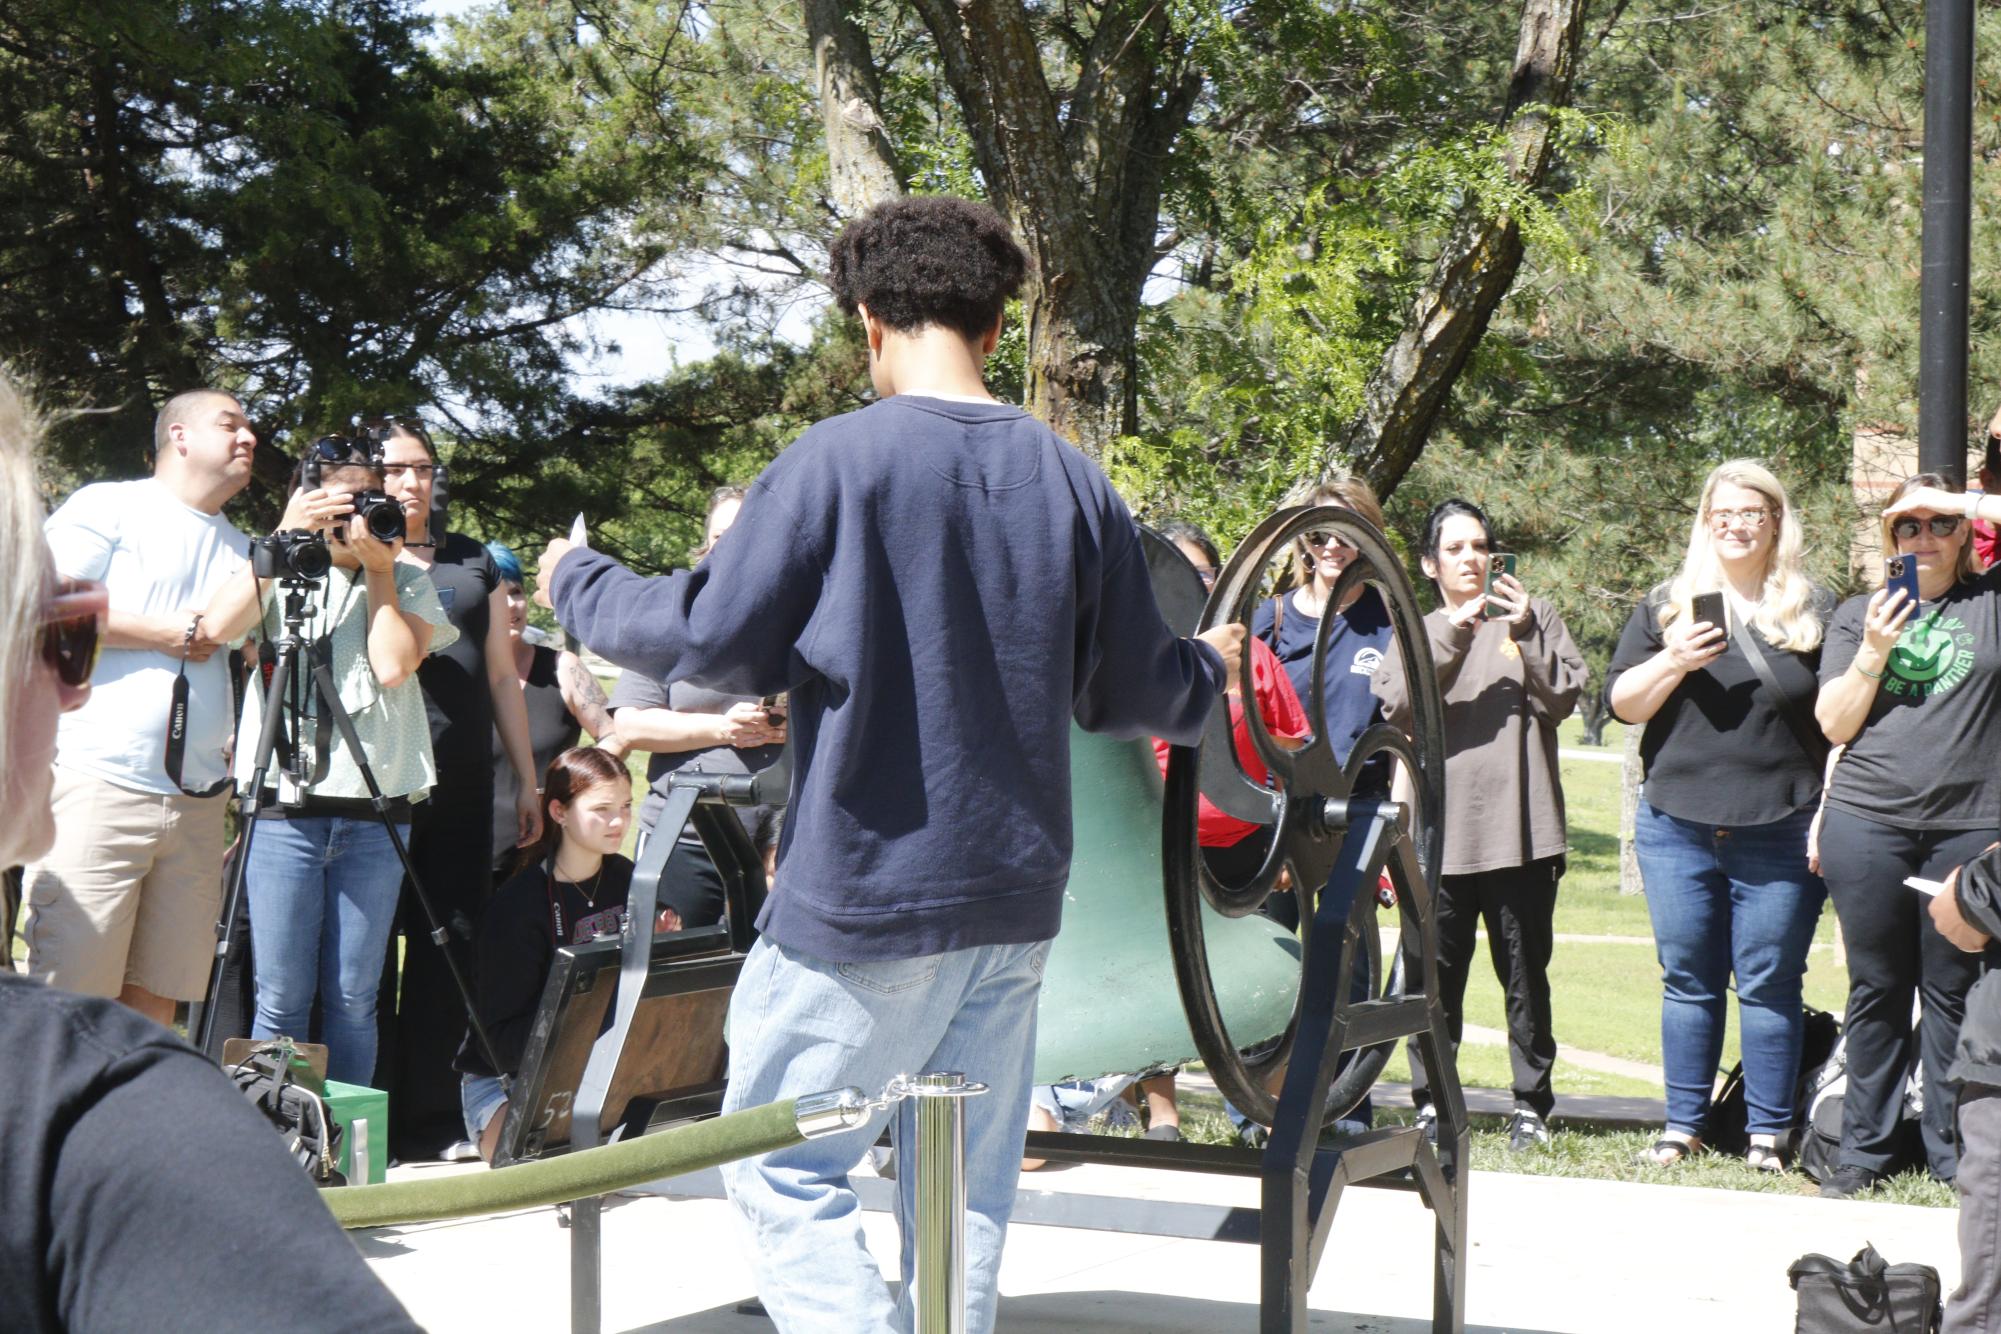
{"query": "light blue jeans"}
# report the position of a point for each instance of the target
(802, 1025)
(323, 893)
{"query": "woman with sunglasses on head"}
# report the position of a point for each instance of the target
(1733, 762)
(323, 875)
(1913, 690)
(98, 1228)
(1509, 674)
(471, 694)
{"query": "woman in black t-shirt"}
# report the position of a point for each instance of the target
(1914, 692)
(571, 887)
(1733, 764)
(470, 691)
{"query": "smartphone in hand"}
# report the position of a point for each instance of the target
(1709, 607)
(1902, 572)
(1498, 564)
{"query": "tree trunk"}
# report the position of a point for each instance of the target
(1080, 181)
(862, 169)
(1473, 272)
(1081, 360)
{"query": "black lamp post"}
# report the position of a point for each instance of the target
(1942, 323)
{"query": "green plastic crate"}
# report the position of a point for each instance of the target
(363, 1116)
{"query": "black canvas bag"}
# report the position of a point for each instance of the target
(1865, 1296)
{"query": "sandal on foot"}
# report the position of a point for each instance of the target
(1765, 1158)
(1669, 1152)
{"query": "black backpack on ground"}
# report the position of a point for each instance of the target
(1820, 1045)
(311, 1136)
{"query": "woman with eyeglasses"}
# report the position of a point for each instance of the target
(1913, 690)
(1509, 673)
(1733, 762)
(471, 694)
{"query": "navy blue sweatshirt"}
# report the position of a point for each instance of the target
(942, 587)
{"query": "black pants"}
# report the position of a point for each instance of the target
(424, 1017)
(1518, 905)
(1894, 952)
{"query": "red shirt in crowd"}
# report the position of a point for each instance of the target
(1278, 705)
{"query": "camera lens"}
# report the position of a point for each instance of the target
(382, 516)
(310, 560)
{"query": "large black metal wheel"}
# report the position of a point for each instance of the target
(1305, 804)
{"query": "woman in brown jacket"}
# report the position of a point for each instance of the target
(1509, 674)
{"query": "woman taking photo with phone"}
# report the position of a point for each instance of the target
(1509, 674)
(1720, 665)
(1914, 692)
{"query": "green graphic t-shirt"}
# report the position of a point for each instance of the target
(1923, 759)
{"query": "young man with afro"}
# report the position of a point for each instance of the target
(942, 584)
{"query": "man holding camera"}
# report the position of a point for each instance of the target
(125, 903)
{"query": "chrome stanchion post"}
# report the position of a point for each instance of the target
(938, 1287)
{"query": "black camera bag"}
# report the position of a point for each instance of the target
(1865, 1296)
(311, 1136)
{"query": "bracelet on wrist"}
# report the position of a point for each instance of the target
(1873, 676)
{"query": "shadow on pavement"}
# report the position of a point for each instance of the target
(1104, 1312)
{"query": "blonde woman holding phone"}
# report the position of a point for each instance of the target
(1719, 665)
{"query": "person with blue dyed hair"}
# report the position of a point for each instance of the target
(562, 697)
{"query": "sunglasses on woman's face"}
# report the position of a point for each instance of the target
(1941, 525)
(69, 629)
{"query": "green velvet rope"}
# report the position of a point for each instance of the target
(571, 1176)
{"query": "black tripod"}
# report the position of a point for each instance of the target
(286, 693)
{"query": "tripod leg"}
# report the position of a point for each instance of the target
(322, 678)
(246, 813)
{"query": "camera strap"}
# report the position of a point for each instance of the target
(177, 724)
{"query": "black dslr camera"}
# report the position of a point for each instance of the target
(292, 554)
(378, 510)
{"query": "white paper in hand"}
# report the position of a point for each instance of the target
(580, 536)
(1930, 888)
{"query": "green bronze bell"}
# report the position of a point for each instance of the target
(1109, 1004)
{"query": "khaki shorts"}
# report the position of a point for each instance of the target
(129, 893)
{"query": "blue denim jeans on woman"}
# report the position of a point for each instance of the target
(802, 1025)
(1729, 899)
(323, 892)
